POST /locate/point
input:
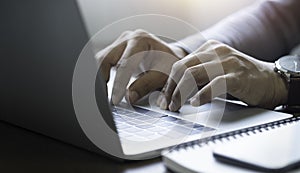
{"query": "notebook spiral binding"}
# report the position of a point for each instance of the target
(237, 133)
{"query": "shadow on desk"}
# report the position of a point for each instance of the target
(25, 151)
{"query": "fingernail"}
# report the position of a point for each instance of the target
(194, 102)
(172, 106)
(163, 103)
(133, 96)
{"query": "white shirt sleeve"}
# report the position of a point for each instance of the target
(266, 30)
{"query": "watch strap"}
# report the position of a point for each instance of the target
(294, 92)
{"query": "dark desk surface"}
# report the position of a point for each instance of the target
(25, 151)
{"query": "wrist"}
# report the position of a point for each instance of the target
(282, 89)
(289, 71)
(278, 88)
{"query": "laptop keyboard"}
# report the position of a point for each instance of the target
(142, 125)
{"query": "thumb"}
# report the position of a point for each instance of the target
(146, 83)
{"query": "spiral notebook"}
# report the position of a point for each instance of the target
(197, 156)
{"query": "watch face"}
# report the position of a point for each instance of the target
(290, 63)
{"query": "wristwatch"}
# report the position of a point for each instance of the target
(289, 68)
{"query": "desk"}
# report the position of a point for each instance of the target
(25, 151)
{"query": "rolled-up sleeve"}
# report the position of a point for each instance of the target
(266, 30)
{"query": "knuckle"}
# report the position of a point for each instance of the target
(132, 36)
(233, 60)
(177, 71)
(100, 55)
(222, 49)
(218, 47)
(230, 62)
(125, 36)
(233, 84)
(219, 79)
(144, 36)
(219, 84)
(125, 33)
(213, 42)
(140, 34)
(177, 66)
(189, 71)
(191, 77)
(236, 63)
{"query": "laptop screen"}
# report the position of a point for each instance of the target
(40, 44)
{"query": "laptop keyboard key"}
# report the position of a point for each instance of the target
(169, 118)
(184, 122)
(151, 120)
(145, 126)
(151, 125)
(124, 134)
(132, 130)
(165, 124)
(133, 115)
(122, 126)
(144, 133)
(182, 129)
(135, 122)
(157, 129)
(136, 138)
(198, 126)
(143, 118)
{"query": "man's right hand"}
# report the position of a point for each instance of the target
(138, 50)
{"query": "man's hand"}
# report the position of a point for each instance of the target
(246, 78)
(138, 50)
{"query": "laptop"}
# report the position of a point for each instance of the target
(42, 41)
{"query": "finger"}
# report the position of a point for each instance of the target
(163, 100)
(192, 78)
(161, 95)
(177, 71)
(110, 60)
(215, 47)
(109, 56)
(127, 65)
(217, 87)
(182, 91)
(162, 62)
(147, 83)
(186, 85)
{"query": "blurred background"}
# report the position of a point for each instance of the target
(200, 13)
